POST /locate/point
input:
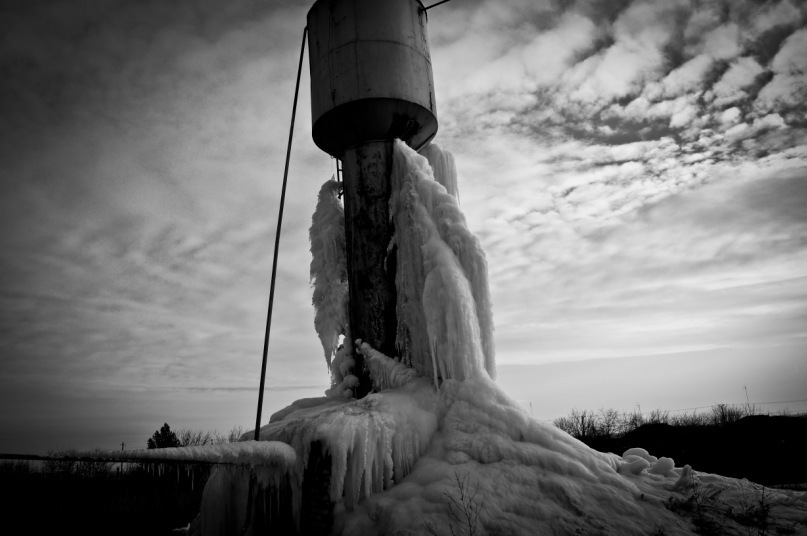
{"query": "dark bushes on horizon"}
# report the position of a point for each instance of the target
(610, 423)
(735, 441)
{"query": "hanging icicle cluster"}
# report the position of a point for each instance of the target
(444, 311)
(329, 278)
(373, 442)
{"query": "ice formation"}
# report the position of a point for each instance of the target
(238, 500)
(385, 372)
(399, 455)
(444, 167)
(331, 298)
(533, 478)
(445, 323)
(329, 269)
(262, 474)
(636, 460)
(343, 381)
(248, 453)
(373, 442)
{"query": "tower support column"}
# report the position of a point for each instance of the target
(366, 172)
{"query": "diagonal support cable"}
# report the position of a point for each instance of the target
(277, 241)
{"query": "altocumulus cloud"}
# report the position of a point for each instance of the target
(636, 183)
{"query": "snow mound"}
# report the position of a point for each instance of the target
(637, 460)
(664, 467)
(529, 478)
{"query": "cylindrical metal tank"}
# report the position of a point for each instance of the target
(371, 73)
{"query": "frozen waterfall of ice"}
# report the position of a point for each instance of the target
(331, 298)
(445, 324)
(445, 321)
(329, 268)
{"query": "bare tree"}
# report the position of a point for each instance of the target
(463, 507)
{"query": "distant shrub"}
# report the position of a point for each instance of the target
(658, 416)
(94, 468)
(723, 414)
(610, 423)
(57, 466)
(15, 468)
(579, 424)
(689, 419)
(195, 438)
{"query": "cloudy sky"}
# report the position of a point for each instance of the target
(636, 171)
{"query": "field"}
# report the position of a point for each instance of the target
(99, 497)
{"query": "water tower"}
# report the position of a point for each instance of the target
(371, 82)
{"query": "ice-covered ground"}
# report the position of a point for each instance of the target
(441, 456)
(528, 477)
(438, 448)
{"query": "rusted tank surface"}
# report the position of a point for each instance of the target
(371, 73)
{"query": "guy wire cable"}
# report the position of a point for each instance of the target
(277, 241)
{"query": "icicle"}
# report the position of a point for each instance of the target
(275, 465)
(372, 442)
(444, 166)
